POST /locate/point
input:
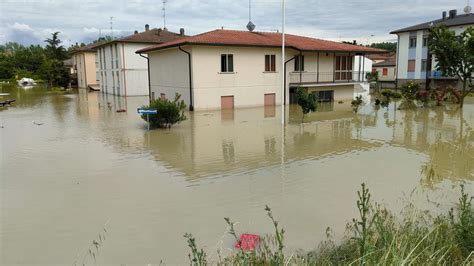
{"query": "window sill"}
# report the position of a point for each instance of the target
(270, 72)
(227, 73)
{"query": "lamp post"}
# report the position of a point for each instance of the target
(283, 70)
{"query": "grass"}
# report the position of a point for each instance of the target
(375, 237)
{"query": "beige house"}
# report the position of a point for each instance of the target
(223, 69)
(387, 72)
(85, 66)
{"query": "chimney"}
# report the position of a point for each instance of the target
(181, 32)
(136, 32)
(354, 42)
(444, 15)
(147, 27)
(159, 31)
(453, 13)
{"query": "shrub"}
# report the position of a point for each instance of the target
(169, 112)
(409, 91)
(357, 103)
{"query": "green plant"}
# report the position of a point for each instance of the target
(278, 257)
(197, 257)
(356, 103)
(169, 112)
(464, 226)
(307, 101)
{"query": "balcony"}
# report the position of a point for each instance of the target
(339, 76)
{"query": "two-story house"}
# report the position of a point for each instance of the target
(84, 66)
(224, 69)
(121, 71)
(414, 61)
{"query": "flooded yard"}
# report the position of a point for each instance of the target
(71, 165)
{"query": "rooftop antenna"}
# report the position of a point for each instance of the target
(111, 28)
(468, 8)
(164, 13)
(250, 25)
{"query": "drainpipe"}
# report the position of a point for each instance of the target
(191, 107)
(300, 66)
(149, 81)
(396, 67)
(284, 79)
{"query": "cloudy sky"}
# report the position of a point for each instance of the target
(31, 21)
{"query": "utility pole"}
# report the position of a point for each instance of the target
(283, 85)
(164, 13)
(111, 28)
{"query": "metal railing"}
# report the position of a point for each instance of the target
(339, 76)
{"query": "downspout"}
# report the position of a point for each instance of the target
(396, 67)
(149, 81)
(284, 78)
(191, 106)
(123, 67)
(300, 66)
(84, 70)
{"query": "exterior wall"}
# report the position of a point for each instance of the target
(121, 71)
(391, 73)
(169, 74)
(248, 83)
(84, 63)
(341, 93)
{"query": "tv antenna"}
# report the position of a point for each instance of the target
(468, 8)
(111, 27)
(250, 25)
(164, 13)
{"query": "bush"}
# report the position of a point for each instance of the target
(409, 91)
(307, 101)
(357, 103)
(169, 112)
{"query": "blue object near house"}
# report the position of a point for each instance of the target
(141, 111)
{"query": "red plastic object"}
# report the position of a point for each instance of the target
(248, 242)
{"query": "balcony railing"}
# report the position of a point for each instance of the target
(339, 76)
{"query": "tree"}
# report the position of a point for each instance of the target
(389, 46)
(454, 56)
(373, 77)
(357, 103)
(307, 101)
(54, 49)
(169, 112)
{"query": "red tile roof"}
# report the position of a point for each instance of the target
(152, 36)
(262, 39)
(88, 48)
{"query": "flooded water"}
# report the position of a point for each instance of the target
(71, 165)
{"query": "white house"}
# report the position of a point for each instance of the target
(387, 72)
(85, 66)
(414, 61)
(224, 69)
(120, 70)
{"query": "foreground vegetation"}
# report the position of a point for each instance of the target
(375, 237)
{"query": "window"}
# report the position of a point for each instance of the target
(411, 65)
(385, 71)
(299, 63)
(425, 41)
(270, 63)
(118, 82)
(227, 63)
(412, 42)
(152, 95)
(116, 56)
(111, 57)
(424, 65)
(163, 96)
(343, 68)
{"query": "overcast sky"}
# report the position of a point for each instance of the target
(31, 21)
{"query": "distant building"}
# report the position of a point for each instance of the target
(414, 60)
(84, 65)
(223, 69)
(121, 71)
(387, 71)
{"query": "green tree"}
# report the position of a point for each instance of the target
(307, 101)
(389, 46)
(454, 56)
(54, 49)
(169, 112)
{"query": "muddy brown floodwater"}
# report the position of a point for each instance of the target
(71, 165)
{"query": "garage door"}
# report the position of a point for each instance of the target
(227, 102)
(269, 99)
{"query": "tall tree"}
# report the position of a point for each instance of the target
(54, 49)
(454, 56)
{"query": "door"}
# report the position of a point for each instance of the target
(325, 96)
(269, 99)
(227, 102)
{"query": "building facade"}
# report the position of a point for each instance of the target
(387, 72)
(84, 66)
(223, 69)
(121, 71)
(414, 61)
